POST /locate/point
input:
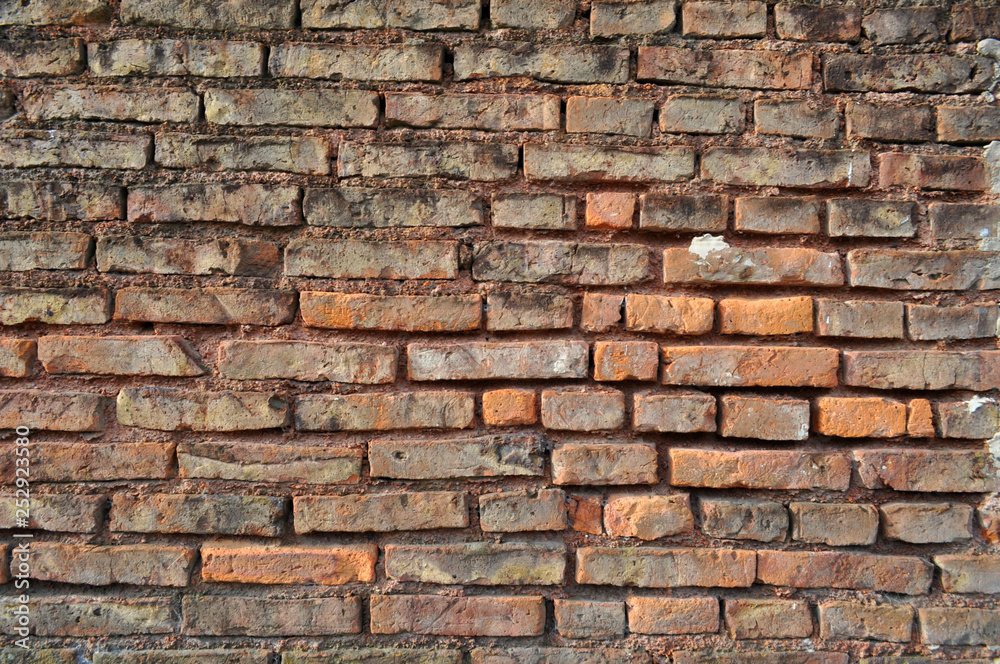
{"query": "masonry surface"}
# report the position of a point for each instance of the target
(528, 332)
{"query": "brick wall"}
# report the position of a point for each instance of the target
(537, 332)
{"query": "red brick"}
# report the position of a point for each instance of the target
(457, 616)
(947, 173)
(381, 512)
(585, 619)
(523, 511)
(923, 270)
(750, 366)
(241, 562)
(812, 23)
(710, 260)
(768, 618)
(724, 19)
(949, 471)
(767, 70)
(95, 462)
(356, 311)
(610, 210)
(67, 513)
(601, 312)
(647, 517)
(626, 360)
(601, 464)
(664, 615)
(759, 469)
(835, 524)
(826, 569)
(764, 418)
(860, 417)
(669, 315)
(927, 72)
(673, 412)
(787, 315)
(854, 217)
(52, 411)
(502, 408)
(650, 567)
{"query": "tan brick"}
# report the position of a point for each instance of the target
(702, 115)
(860, 417)
(82, 462)
(523, 510)
(152, 255)
(537, 261)
(412, 14)
(205, 306)
(556, 64)
(57, 12)
(363, 259)
(851, 620)
(801, 119)
(835, 524)
(175, 57)
(134, 564)
(583, 410)
(100, 617)
(768, 70)
(483, 456)
(812, 23)
(235, 15)
(193, 656)
(749, 366)
(454, 160)
(55, 306)
(683, 214)
(787, 315)
(899, 269)
(361, 207)
(510, 407)
(584, 163)
(969, 573)
(61, 201)
(83, 103)
(82, 149)
(926, 523)
(160, 355)
(52, 411)
(411, 313)
(381, 512)
(551, 212)
(65, 513)
(941, 172)
(867, 319)
(602, 464)
(764, 418)
(826, 569)
(958, 626)
(724, 19)
(709, 260)
(532, 15)
(850, 217)
(166, 409)
(922, 369)
(903, 25)
(402, 62)
(299, 108)
(249, 204)
(471, 111)
(964, 221)
(484, 360)
(933, 322)
(768, 618)
(509, 311)
(950, 471)
(760, 469)
(308, 361)
(20, 252)
(609, 115)
(199, 514)
(263, 616)
(457, 616)
(405, 655)
(967, 124)
(558, 655)
(821, 169)
(625, 360)
(244, 562)
(650, 567)
(675, 412)
(383, 411)
(647, 517)
(17, 358)
(264, 462)
(927, 72)
(478, 563)
(890, 123)
(615, 19)
(293, 154)
(774, 216)
(667, 615)
(756, 520)
(586, 619)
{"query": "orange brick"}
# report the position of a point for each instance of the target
(510, 407)
(920, 419)
(872, 417)
(785, 315)
(585, 514)
(610, 210)
(601, 312)
(625, 360)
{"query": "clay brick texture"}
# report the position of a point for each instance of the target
(500, 331)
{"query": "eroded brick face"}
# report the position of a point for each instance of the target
(501, 332)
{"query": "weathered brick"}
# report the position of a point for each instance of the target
(822, 169)
(962, 221)
(764, 418)
(898, 269)
(959, 626)
(852, 620)
(827, 569)
(236, 15)
(586, 513)
(795, 118)
(385, 411)
(544, 655)
(471, 111)
(57, 512)
(556, 64)
(927, 72)
(262, 616)
(176, 57)
(813, 23)
(402, 62)
(588, 163)
(976, 418)
(903, 25)
(775, 216)
(683, 214)
(922, 369)
(510, 407)
(931, 322)
(967, 124)
(926, 523)
(205, 306)
(768, 618)
(54, 57)
(100, 617)
(919, 418)
(57, 12)
(483, 456)
(950, 471)
(603, 464)
(294, 154)
(551, 212)
(411, 313)
(194, 656)
(265, 462)
(724, 19)
(701, 115)
(134, 564)
(548, 15)
(243, 562)
(648, 517)
(667, 615)
(364, 259)
(198, 514)
(300, 108)
(478, 563)
(308, 361)
(411, 14)
(93, 462)
(859, 318)
(537, 261)
(166, 409)
(509, 311)
(359, 207)
(988, 522)
(516, 360)
(381, 512)
(616, 19)
(457, 616)
(750, 366)
(835, 524)
(61, 201)
(152, 255)
(941, 172)
(17, 358)
(650, 567)
(583, 410)
(586, 619)
(160, 355)
(678, 412)
(249, 204)
(888, 123)
(52, 411)
(969, 573)
(601, 312)
(853, 217)
(625, 360)
(20, 252)
(757, 520)
(453, 160)
(609, 115)
(83, 103)
(860, 417)
(760, 469)
(787, 315)
(709, 260)
(768, 70)
(405, 655)
(520, 511)
(669, 315)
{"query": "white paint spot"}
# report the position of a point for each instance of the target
(850, 173)
(703, 245)
(977, 402)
